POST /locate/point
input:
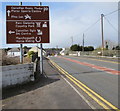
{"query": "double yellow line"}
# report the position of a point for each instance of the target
(96, 97)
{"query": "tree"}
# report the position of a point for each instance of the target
(7, 49)
(86, 49)
(113, 48)
(79, 48)
(75, 47)
(117, 47)
(25, 49)
(90, 48)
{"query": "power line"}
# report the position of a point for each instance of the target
(91, 25)
(99, 20)
(111, 24)
(112, 12)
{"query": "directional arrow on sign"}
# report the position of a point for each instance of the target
(8, 13)
(11, 32)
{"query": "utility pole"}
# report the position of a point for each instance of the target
(41, 52)
(72, 39)
(56, 46)
(102, 15)
(21, 50)
(83, 43)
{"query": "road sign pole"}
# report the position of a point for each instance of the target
(41, 53)
(21, 51)
(41, 59)
(21, 54)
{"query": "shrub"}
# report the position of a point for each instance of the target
(31, 53)
(80, 48)
(75, 47)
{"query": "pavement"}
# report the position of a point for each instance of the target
(51, 92)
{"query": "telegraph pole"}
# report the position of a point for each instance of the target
(41, 52)
(102, 15)
(56, 46)
(21, 50)
(72, 39)
(83, 43)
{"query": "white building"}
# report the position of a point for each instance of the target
(64, 51)
(13, 52)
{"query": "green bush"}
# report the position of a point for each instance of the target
(31, 53)
(75, 48)
(80, 48)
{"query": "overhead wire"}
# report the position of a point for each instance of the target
(89, 27)
(99, 20)
(112, 12)
(111, 24)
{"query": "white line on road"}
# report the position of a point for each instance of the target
(92, 107)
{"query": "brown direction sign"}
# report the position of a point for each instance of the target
(27, 24)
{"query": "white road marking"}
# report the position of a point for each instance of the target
(92, 107)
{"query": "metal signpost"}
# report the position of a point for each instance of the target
(21, 50)
(41, 53)
(27, 24)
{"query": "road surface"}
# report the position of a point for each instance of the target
(100, 77)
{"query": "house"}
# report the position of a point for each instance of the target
(37, 49)
(65, 51)
(13, 52)
(52, 51)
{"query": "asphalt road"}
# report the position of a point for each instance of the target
(100, 75)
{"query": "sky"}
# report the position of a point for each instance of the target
(70, 20)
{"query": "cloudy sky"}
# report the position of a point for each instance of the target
(72, 19)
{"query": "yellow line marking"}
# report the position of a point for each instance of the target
(81, 95)
(101, 60)
(93, 92)
(83, 85)
(93, 97)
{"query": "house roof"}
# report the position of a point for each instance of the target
(14, 50)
